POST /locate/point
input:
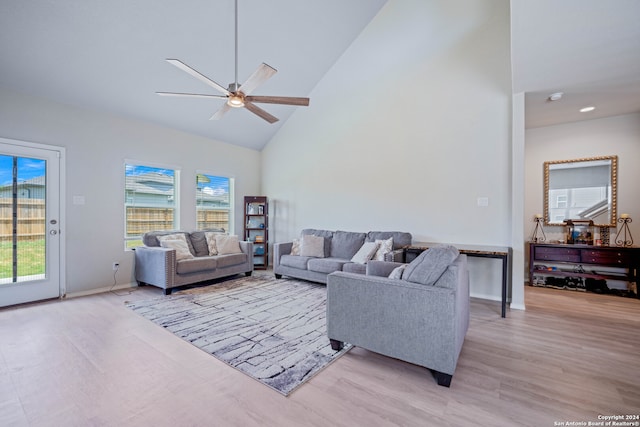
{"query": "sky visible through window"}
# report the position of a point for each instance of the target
(27, 169)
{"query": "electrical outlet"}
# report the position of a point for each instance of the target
(116, 266)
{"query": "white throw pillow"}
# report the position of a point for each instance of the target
(397, 272)
(295, 247)
(175, 236)
(385, 247)
(312, 246)
(182, 250)
(210, 236)
(365, 253)
(227, 244)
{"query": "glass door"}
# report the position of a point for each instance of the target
(29, 223)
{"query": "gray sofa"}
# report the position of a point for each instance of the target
(413, 319)
(339, 248)
(157, 266)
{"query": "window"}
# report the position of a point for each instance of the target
(561, 201)
(150, 201)
(214, 199)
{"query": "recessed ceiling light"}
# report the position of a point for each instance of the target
(555, 96)
(587, 109)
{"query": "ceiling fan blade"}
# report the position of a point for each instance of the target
(206, 80)
(190, 95)
(260, 112)
(218, 114)
(287, 100)
(259, 76)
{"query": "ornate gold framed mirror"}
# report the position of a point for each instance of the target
(581, 189)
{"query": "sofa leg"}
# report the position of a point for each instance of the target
(442, 378)
(278, 276)
(248, 273)
(336, 345)
(167, 291)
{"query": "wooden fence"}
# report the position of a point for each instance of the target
(31, 219)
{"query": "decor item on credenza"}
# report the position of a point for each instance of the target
(604, 236)
(625, 239)
(579, 232)
(539, 220)
(237, 95)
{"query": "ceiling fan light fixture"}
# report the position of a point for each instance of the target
(236, 101)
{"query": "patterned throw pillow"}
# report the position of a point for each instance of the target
(182, 250)
(227, 245)
(397, 272)
(210, 236)
(365, 253)
(385, 247)
(295, 247)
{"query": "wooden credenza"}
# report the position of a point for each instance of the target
(583, 261)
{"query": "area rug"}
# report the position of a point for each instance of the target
(273, 330)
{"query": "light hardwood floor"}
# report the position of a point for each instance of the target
(91, 361)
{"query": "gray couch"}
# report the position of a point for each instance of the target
(414, 319)
(339, 248)
(157, 266)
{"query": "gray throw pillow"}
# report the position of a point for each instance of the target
(312, 246)
(427, 268)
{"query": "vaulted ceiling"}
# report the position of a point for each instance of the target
(110, 56)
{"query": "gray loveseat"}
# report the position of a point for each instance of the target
(421, 318)
(339, 249)
(158, 266)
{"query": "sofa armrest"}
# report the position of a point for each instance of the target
(381, 268)
(396, 255)
(247, 248)
(280, 249)
(155, 266)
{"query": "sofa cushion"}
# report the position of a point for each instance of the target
(295, 261)
(295, 247)
(196, 265)
(151, 238)
(400, 238)
(180, 246)
(199, 240)
(345, 244)
(227, 244)
(427, 268)
(312, 246)
(365, 253)
(327, 234)
(231, 259)
(326, 265)
(354, 267)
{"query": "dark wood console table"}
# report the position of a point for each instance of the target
(500, 252)
(567, 255)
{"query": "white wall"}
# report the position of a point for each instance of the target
(619, 135)
(405, 132)
(97, 145)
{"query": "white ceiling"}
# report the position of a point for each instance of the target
(588, 49)
(109, 56)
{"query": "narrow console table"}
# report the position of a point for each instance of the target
(499, 252)
(627, 258)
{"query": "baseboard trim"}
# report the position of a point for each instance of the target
(100, 290)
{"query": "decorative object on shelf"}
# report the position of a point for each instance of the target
(539, 220)
(625, 239)
(604, 236)
(256, 220)
(579, 231)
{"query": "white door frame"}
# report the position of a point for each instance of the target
(61, 225)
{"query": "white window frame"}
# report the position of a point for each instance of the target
(231, 209)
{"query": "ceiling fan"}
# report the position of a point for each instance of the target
(238, 95)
